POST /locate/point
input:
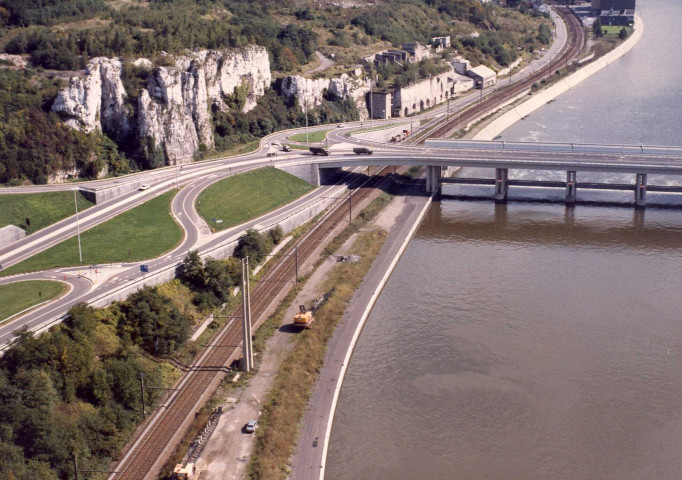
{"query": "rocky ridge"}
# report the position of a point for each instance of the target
(310, 92)
(173, 109)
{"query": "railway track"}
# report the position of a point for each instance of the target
(576, 40)
(144, 457)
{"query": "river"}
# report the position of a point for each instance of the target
(528, 340)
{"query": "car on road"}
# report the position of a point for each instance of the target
(251, 426)
(144, 186)
(340, 125)
(286, 148)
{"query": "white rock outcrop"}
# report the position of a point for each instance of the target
(96, 101)
(174, 108)
(310, 92)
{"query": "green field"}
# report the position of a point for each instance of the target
(248, 195)
(33, 211)
(313, 137)
(614, 30)
(16, 297)
(147, 231)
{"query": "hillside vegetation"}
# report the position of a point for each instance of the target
(62, 35)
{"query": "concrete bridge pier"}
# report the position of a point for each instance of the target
(640, 190)
(571, 186)
(501, 185)
(433, 174)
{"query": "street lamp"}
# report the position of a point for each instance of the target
(78, 227)
(305, 108)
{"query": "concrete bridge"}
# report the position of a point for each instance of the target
(437, 154)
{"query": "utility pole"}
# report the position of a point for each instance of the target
(305, 107)
(75, 468)
(78, 227)
(296, 259)
(144, 414)
(177, 179)
(448, 114)
(350, 206)
(371, 102)
(246, 318)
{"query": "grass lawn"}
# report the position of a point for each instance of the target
(147, 230)
(237, 199)
(297, 147)
(239, 149)
(15, 297)
(41, 209)
(313, 137)
(614, 30)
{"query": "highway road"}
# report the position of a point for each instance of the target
(195, 177)
(164, 178)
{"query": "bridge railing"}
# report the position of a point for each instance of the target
(550, 147)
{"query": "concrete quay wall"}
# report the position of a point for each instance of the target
(541, 98)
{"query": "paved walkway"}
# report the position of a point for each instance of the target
(308, 457)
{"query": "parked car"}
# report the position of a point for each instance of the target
(144, 186)
(286, 148)
(251, 426)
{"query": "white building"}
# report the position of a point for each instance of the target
(483, 76)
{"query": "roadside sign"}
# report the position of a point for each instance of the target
(144, 268)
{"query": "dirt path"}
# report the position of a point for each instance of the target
(325, 63)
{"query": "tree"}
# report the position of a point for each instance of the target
(191, 271)
(153, 322)
(218, 278)
(252, 245)
(596, 28)
(623, 33)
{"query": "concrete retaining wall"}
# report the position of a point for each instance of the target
(307, 172)
(541, 98)
(384, 136)
(11, 234)
(99, 195)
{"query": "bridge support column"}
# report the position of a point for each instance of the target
(640, 190)
(501, 177)
(571, 186)
(433, 179)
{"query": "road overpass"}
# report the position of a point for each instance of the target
(640, 160)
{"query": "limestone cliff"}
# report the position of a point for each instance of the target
(96, 101)
(174, 108)
(311, 92)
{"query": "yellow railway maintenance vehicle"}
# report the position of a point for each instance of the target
(304, 318)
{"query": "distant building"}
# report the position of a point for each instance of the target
(416, 97)
(441, 42)
(483, 76)
(625, 18)
(390, 56)
(461, 65)
(417, 51)
(615, 5)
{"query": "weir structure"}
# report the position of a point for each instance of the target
(502, 156)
